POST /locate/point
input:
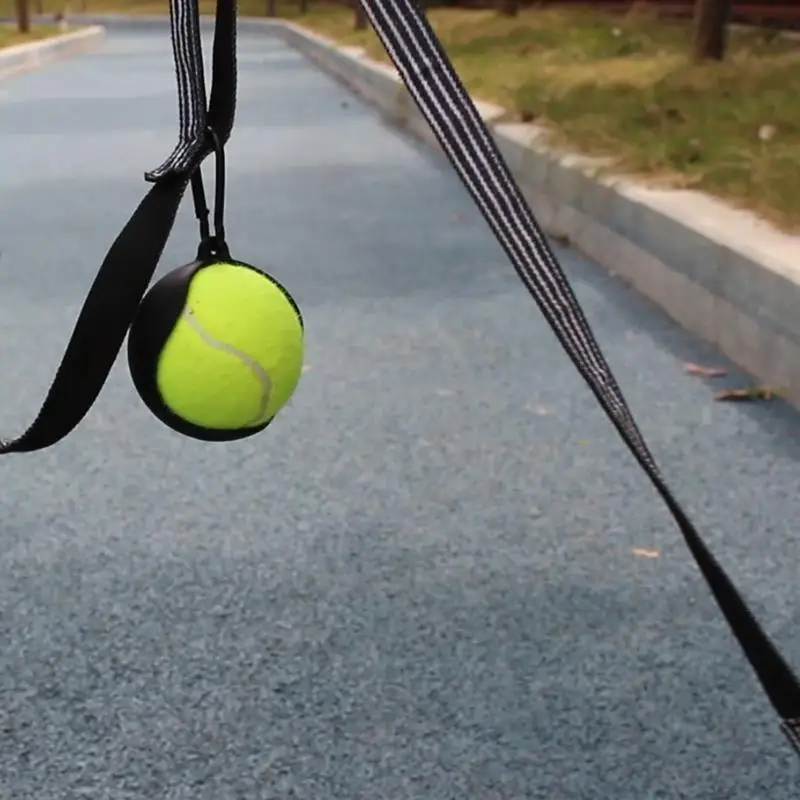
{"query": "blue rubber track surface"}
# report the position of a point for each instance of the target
(439, 575)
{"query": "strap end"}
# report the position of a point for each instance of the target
(791, 729)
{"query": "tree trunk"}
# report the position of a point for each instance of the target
(360, 22)
(710, 29)
(271, 10)
(510, 8)
(23, 16)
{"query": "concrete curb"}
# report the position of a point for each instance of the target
(28, 56)
(720, 273)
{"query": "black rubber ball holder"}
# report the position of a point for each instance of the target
(152, 326)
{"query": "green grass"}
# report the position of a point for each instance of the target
(9, 35)
(622, 87)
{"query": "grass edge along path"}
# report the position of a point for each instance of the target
(619, 87)
(11, 37)
(622, 87)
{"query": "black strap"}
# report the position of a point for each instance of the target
(129, 265)
(436, 88)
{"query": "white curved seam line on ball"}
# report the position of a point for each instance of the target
(258, 371)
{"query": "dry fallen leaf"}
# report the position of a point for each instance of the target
(750, 394)
(540, 411)
(766, 133)
(645, 552)
(704, 372)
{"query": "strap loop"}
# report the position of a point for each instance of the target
(194, 144)
(211, 246)
(131, 261)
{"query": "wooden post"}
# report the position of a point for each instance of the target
(23, 17)
(509, 8)
(360, 22)
(271, 8)
(710, 29)
(304, 6)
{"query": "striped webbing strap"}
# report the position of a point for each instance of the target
(440, 95)
(193, 118)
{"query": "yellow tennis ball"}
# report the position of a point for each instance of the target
(216, 350)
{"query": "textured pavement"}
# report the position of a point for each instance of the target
(422, 582)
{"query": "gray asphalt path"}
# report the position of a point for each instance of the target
(422, 583)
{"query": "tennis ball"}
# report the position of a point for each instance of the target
(216, 350)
